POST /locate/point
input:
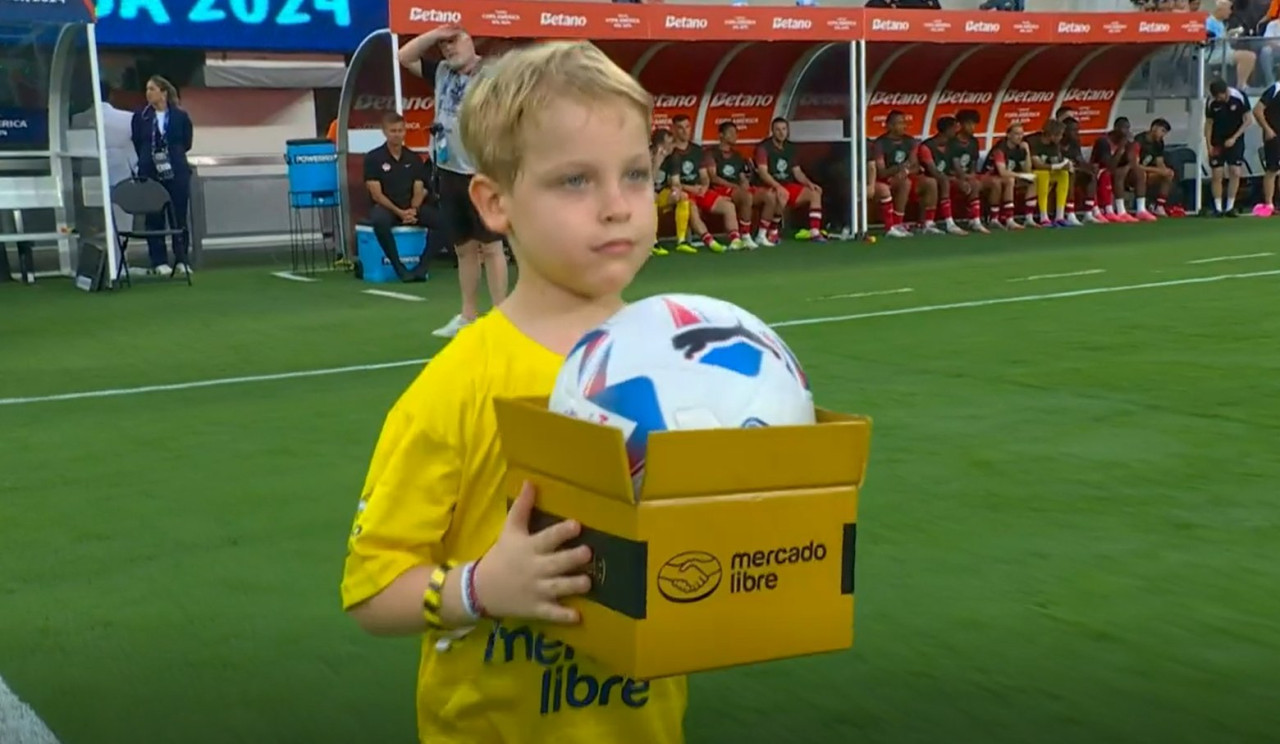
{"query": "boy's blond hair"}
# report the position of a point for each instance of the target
(511, 91)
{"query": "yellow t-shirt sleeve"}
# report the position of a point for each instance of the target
(409, 494)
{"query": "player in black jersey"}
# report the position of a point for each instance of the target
(898, 167)
(1110, 157)
(968, 185)
(1267, 112)
(1147, 170)
(1226, 116)
(934, 156)
(729, 174)
(686, 174)
(1084, 174)
(1009, 161)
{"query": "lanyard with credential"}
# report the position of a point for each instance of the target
(160, 149)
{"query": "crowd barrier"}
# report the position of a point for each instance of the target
(835, 72)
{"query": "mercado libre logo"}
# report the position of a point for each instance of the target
(689, 577)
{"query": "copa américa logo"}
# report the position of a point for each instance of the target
(566, 684)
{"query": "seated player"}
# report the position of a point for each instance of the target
(964, 157)
(1084, 179)
(665, 200)
(1052, 169)
(879, 190)
(1008, 162)
(1226, 116)
(729, 172)
(1147, 170)
(777, 169)
(558, 134)
(1110, 156)
(898, 167)
(932, 155)
(685, 177)
(1267, 112)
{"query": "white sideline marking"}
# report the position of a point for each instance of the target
(1038, 277)
(1241, 257)
(19, 724)
(856, 295)
(294, 277)
(783, 324)
(1023, 298)
(395, 295)
(113, 393)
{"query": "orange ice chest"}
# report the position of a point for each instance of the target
(739, 549)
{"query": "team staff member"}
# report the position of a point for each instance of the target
(1267, 112)
(1226, 116)
(396, 179)
(477, 247)
(162, 136)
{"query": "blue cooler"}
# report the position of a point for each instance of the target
(313, 173)
(375, 266)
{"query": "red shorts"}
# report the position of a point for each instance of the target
(913, 181)
(713, 194)
(794, 190)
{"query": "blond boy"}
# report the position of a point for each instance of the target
(559, 135)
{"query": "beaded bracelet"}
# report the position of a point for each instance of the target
(433, 598)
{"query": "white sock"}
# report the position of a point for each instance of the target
(1119, 206)
(1231, 204)
(1141, 203)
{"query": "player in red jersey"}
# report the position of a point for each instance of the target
(933, 155)
(776, 169)
(1009, 163)
(1147, 170)
(728, 171)
(965, 157)
(898, 166)
(1111, 157)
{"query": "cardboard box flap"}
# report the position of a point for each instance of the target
(706, 462)
(591, 457)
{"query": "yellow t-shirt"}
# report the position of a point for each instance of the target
(433, 493)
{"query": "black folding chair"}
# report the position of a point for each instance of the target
(140, 197)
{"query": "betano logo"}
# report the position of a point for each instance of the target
(1071, 27)
(666, 100)
(563, 20)
(744, 100)
(882, 24)
(1088, 95)
(982, 27)
(1028, 96)
(564, 684)
(1147, 27)
(792, 24)
(691, 576)
(365, 102)
(965, 97)
(898, 99)
(431, 15)
(689, 22)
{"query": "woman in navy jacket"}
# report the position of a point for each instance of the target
(162, 136)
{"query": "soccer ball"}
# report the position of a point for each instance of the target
(681, 362)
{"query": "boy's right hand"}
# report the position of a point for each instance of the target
(525, 575)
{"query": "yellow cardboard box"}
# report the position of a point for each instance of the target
(739, 549)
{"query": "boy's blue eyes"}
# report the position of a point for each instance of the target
(578, 180)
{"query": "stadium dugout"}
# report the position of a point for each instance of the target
(51, 191)
(834, 73)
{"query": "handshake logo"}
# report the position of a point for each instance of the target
(690, 577)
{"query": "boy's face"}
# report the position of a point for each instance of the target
(580, 213)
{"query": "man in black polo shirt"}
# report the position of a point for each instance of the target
(1226, 116)
(395, 177)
